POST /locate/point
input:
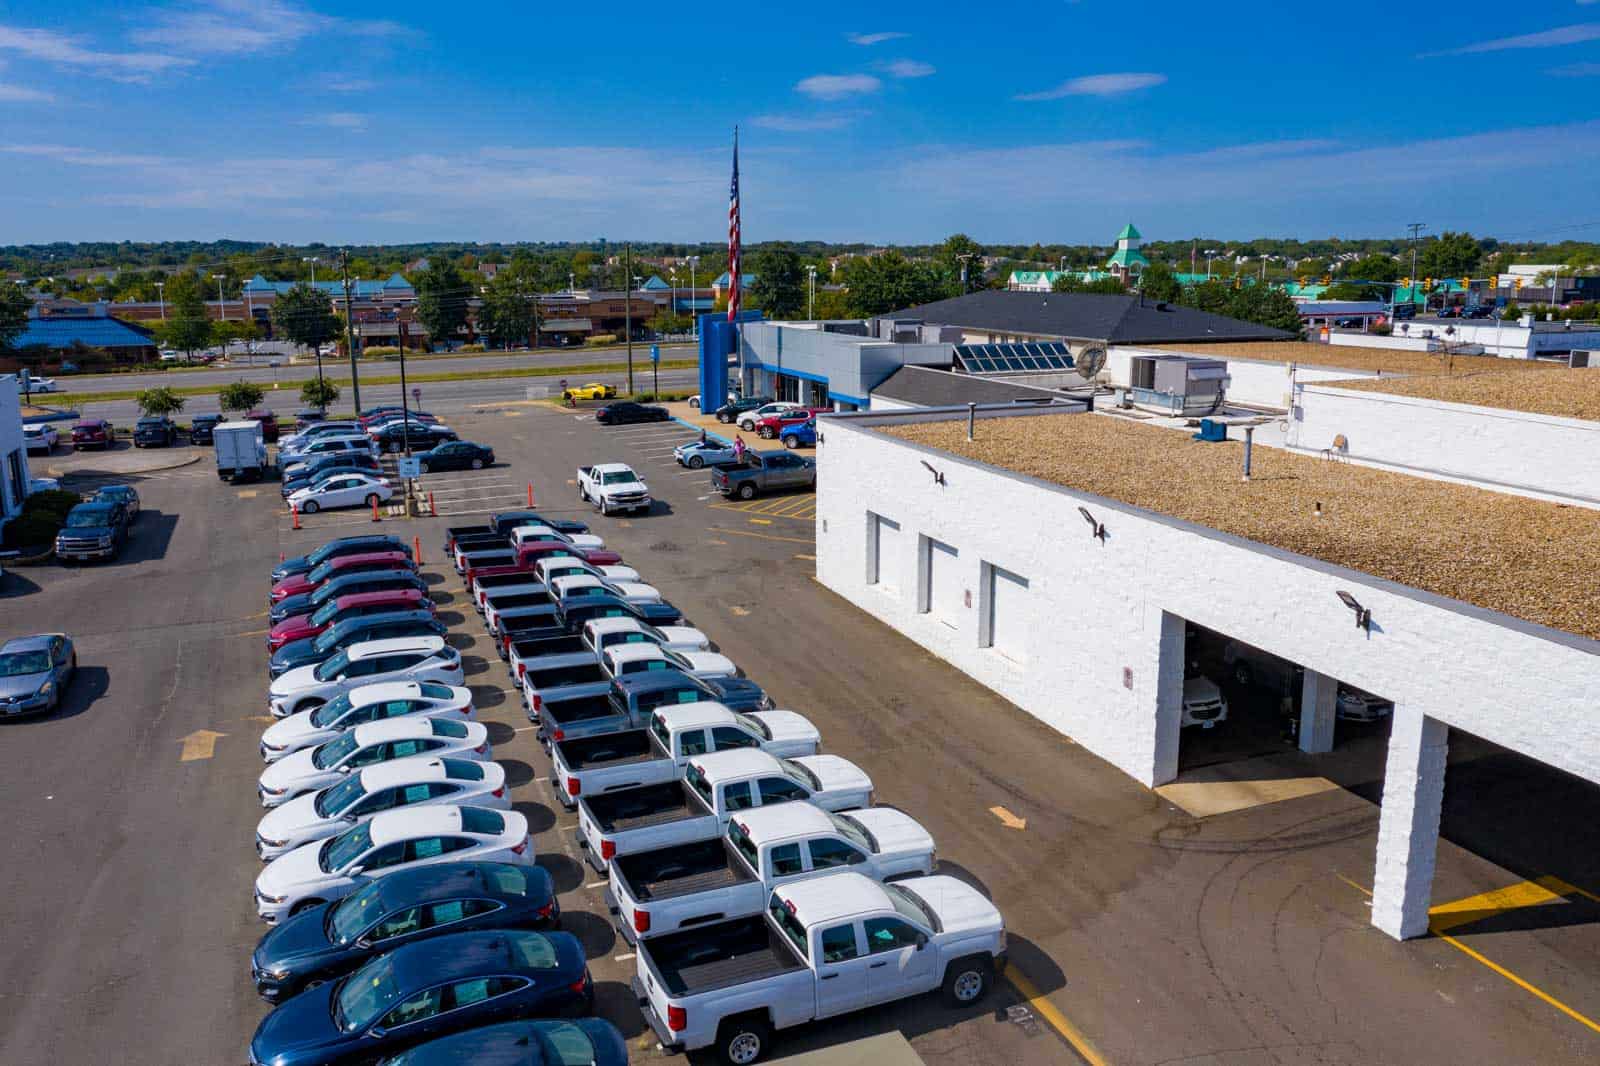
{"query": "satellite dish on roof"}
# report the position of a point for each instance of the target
(1090, 362)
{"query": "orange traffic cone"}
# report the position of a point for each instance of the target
(416, 546)
(375, 517)
(530, 494)
(295, 511)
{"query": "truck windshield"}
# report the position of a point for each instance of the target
(854, 832)
(697, 781)
(799, 773)
(618, 477)
(912, 906)
(788, 925)
(755, 725)
(744, 846)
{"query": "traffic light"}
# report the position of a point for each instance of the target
(1327, 279)
(1427, 284)
(1466, 283)
(1516, 283)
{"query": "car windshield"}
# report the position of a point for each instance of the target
(345, 848)
(788, 924)
(617, 477)
(564, 1044)
(354, 914)
(331, 802)
(326, 642)
(801, 774)
(333, 667)
(21, 663)
(80, 519)
(755, 725)
(330, 712)
(320, 574)
(334, 751)
(854, 832)
(149, 423)
(325, 613)
(365, 995)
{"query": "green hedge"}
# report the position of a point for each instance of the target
(42, 516)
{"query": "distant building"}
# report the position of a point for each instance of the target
(1127, 260)
(89, 335)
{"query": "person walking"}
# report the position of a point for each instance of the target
(738, 448)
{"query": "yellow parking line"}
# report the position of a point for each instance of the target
(759, 536)
(761, 521)
(1058, 1021)
(1485, 904)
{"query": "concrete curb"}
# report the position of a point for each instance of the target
(53, 471)
(30, 560)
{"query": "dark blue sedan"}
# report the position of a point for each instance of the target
(424, 991)
(344, 585)
(331, 939)
(581, 1042)
(312, 650)
(456, 455)
(372, 542)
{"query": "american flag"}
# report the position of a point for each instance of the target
(733, 236)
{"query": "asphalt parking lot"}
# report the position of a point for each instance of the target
(1140, 933)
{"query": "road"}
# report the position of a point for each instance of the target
(1139, 934)
(338, 369)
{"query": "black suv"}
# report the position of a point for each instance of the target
(155, 433)
(202, 427)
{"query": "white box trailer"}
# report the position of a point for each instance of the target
(241, 451)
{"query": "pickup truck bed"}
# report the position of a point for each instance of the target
(608, 749)
(667, 873)
(729, 953)
(639, 808)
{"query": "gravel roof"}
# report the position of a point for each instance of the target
(1501, 552)
(1382, 360)
(1560, 391)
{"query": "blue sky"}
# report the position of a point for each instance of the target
(1051, 121)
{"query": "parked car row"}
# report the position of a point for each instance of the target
(410, 923)
(331, 464)
(759, 882)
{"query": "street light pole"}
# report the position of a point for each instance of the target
(349, 338)
(161, 296)
(811, 294)
(627, 305)
(694, 319)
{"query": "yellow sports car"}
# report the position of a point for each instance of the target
(592, 391)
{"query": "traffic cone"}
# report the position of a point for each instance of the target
(530, 494)
(433, 509)
(416, 547)
(375, 517)
(295, 511)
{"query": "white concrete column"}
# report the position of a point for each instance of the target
(1408, 824)
(1168, 723)
(1318, 706)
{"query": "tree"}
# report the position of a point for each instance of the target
(1073, 283)
(889, 282)
(186, 327)
(1371, 268)
(305, 316)
(1266, 305)
(240, 396)
(779, 287)
(319, 393)
(159, 401)
(233, 331)
(960, 258)
(1453, 255)
(442, 295)
(1159, 283)
(14, 305)
(509, 316)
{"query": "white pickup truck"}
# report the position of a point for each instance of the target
(590, 766)
(613, 487)
(638, 658)
(596, 636)
(822, 947)
(577, 585)
(714, 788)
(533, 579)
(659, 892)
(528, 534)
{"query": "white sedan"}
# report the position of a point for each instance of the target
(628, 659)
(312, 768)
(369, 703)
(342, 490)
(367, 663)
(394, 840)
(414, 782)
(40, 438)
(42, 384)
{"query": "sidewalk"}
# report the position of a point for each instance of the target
(695, 419)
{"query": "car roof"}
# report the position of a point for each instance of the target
(456, 955)
(421, 884)
(782, 820)
(406, 727)
(826, 899)
(370, 648)
(414, 771)
(339, 562)
(409, 822)
(384, 691)
(32, 642)
(365, 599)
(114, 488)
(737, 762)
(694, 715)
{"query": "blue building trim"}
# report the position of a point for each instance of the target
(859, 401)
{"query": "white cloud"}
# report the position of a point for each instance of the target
(338, 120)
(910, 68)
(240, 27)
(1562, 35)
(339, 83)
(21, 94)
(83, 157)
(874, 38)
(49, 47)
(838, 86)
(1096, 85)
(1578, 70)
(804, 123)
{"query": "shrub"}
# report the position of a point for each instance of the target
(51, 501)
(31, 531)
(471, 348)
(378, 351)
(602, 338)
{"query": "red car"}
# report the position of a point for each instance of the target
(93, 433)
(771, 427)
(268, 420)
(301, 626)
(341, 564)
(533, 550)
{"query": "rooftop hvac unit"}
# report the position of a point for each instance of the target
(1581, 358)
(1178, 385)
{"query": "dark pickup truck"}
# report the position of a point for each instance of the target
(527, 645)
(572, 614)
(628, 702)
(500, 609)
(503, 522)
(764, 472)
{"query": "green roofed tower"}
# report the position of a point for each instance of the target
(1127, 259)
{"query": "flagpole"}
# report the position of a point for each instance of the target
(736, 265)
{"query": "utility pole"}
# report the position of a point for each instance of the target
(349, 337)
(1415, 228)
(627, 305)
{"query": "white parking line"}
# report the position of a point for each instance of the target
(597, 884)
(622, 958)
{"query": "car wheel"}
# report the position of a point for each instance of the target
(747, 491)
(422, 466)
(373, 499)
(696, 462)
(968, 980)
(310, 507)
(791, 441)
(744, 1041)
(765, 433)
(304, 905)
(725, 419)
(694, 401)
(477, 464)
